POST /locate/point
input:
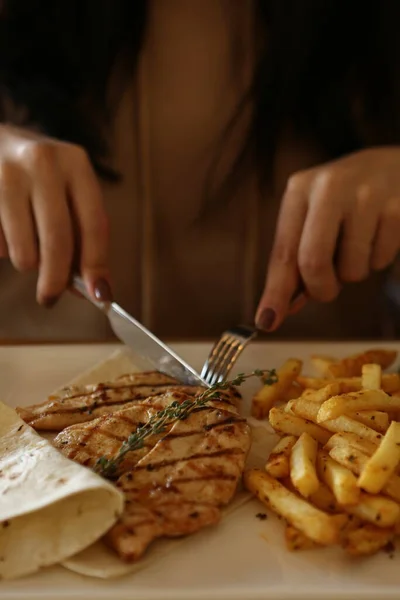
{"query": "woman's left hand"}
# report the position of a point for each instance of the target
(337, 223)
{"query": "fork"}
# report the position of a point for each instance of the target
(225, 353)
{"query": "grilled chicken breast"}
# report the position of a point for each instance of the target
(177, 483)
(80, 404)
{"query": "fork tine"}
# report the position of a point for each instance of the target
(212, 359)
(225, 352)
(225, 360)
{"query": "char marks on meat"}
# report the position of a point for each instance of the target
(80, 404)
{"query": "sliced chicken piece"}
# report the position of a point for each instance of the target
(80, 404)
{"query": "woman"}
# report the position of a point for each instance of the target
(172, 150)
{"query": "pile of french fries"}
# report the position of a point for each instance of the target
(334, 475)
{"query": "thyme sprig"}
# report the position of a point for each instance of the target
(176, 411)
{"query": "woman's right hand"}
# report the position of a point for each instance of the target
(52, 216)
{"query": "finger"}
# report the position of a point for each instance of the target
(54, 227)
(387, 240)
(359, 229)
(282, 276)
(16, 219)
(319, 240)
(92, 224)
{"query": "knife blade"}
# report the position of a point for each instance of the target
(149, 350)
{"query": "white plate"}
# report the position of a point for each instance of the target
(241, 559)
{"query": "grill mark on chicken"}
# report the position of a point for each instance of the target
(168, 463)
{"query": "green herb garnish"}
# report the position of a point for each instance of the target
(176, 411)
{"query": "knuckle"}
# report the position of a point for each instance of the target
(327, 180)
(296, 182)
(39, 155)
(312, 266)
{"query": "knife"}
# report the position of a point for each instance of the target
(151, 352)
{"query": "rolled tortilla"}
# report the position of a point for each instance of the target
(50, 507)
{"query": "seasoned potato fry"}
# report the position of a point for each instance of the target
(376, 419)
(278, 463)
(296, 540)
(349, 425)
(323, 394)
(383, 463)
(306, 409)
(322, 363)
(390, 383)
(378, 510)
(351, 440)
(355, 461)
(291, 425)
(270, 394)
(312, 522)
(302, 465)
(324, 499)
(293, 392)
(288, 407)
(371, 376)
(366, 540)
(355, 401)
(352, 366)
(339, 479)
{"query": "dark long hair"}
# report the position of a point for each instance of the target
(329, 69)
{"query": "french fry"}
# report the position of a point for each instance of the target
(340, 480)
(383, 463)
(390, 383)
(312, 522)
(302, 465)
(351, 440)
(306, 409)
(352, 365)
(322, 363)
(355, 401)
(355, 461)
(296, 540)
(278, 463)
(371, 376)
(323, 394)
(268, 395)
(378, 510)
(349, 425)
(367, 540)
(324, 499)
(288, 407)
(291, 425)
(376, 419)
(293, 392)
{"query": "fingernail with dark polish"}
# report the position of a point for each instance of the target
(102, 291)
(266, 319)
(50, 301)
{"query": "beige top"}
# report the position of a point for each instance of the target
(181, 278)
